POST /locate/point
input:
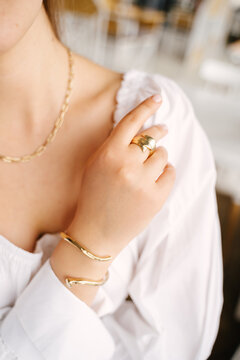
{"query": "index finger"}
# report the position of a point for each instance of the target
(132, 122)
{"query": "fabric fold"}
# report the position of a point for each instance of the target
(50, 320)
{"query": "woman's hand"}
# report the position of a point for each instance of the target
(122, 188)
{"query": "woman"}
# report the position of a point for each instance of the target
(150, 225)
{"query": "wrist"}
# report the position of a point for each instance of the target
(66, 260)
(91, 239)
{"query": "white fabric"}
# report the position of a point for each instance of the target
(172, 270)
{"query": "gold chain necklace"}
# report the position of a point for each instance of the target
(57, 125)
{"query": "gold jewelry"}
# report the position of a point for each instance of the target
(70, 280)
(145, 142)
(57, 125)
(86, 252)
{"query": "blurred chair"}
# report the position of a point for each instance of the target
(225, 75)
(114, 33)
(78, 24)
(129, 33)
(180, 24)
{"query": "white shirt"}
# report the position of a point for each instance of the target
(172, 270)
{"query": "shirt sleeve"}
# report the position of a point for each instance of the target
(56, 326)
(177, 284)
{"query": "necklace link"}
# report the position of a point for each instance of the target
(58, 123)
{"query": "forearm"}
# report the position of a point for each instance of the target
(67, 260)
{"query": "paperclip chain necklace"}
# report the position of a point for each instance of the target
(57, 125)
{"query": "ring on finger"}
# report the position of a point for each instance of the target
(145, 142)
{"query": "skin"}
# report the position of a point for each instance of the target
(75, 185)
(41, 195)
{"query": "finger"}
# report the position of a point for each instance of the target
(131, 123)
(166, 180)
(156, 132)
(155, 164)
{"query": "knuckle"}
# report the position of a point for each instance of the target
(107, 155)
(146, 194)
(142, 190)
(147, 105)
(125, 174)
(153, 130)
(132, 114)
(157, 129)
(144, 107)
(172, 173)
(163, 152)
(131, 117)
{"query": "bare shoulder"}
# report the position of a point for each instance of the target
(95, 79)
(93, 101)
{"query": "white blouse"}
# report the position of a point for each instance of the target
(172, 270)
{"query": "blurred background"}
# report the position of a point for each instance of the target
(196, 43)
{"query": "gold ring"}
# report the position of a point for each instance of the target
(145, 142)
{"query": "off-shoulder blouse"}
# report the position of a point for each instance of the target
(172, 270)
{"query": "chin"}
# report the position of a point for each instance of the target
(9, 38)
(16, 18)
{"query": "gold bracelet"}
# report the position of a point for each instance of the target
(70, 280)
(86, 252)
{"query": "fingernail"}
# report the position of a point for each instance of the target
(157, 98)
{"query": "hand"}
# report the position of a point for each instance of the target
(122, 188)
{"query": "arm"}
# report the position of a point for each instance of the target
(179, 274)
(177, 285)
(113, 204)
(75, 262)
(48, 322)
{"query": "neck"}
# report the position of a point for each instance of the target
(33, 80)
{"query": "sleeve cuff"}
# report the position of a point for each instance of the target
(48, 321)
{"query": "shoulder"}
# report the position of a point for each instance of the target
(138, 85)
(188, 146)
(94, 78)
(176, 110)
